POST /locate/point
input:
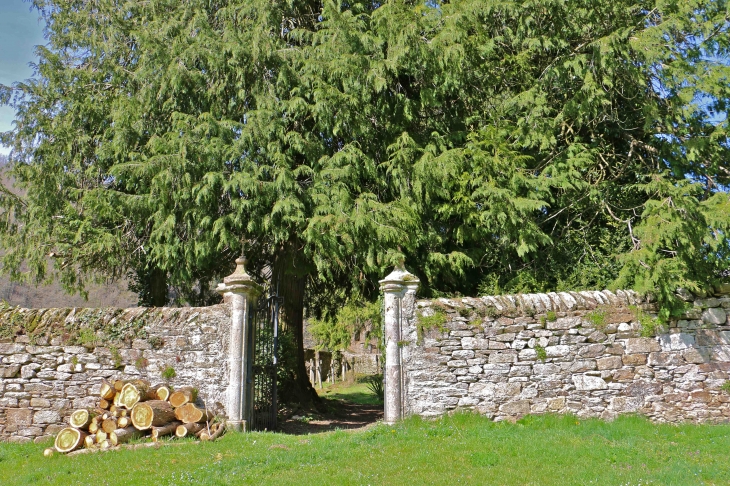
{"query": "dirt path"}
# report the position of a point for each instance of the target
(342, 415)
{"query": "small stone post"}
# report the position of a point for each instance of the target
(240, 291)
(399, 284)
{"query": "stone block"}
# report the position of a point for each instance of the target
(643, 389)
(587, 383)
(21, 358)
(18, 417)
(695, 356)
(592, 351)
(46, 417)
(609, 363)
(28, 371)
(40, 403)
(518, 407)
(563, 323)
(11, 348)
(457, 363)
(16, 439)
(626, 404)
(556, 404)
(506, 356)
(74, 350)
(557, 351)
(581, 366)
(504, 338)
(462, 354)
(30, 431)
(642, 345)
(634, 359)
(623, 375)
(9, 371)
(597, 337)
(665, 359)
(715, 316)
(676, 342)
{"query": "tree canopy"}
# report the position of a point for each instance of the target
(491, 145)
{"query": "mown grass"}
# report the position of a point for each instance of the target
(460, 449)
(349, 391)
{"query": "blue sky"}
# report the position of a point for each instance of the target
(20, 31)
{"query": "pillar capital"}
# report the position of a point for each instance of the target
(399, 280)
(239, 282)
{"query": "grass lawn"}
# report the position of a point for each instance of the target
(460, 449)
(354, 392)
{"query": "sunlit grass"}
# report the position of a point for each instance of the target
(460, 449)
(355, 391)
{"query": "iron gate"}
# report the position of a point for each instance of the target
(264, 341)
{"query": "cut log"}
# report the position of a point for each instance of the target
(191, 428)
(93, 427)
(49, 452)
(89, 441)
(100, 436)
(123, 422)
(152, 413)
(189, 413)
(69, 439)
(132, 393)
(167, 429)
(105, 404)
(109, 425)
(115, 400)
(182, 396)
(205, 436)
(104, 444)
(163, 392)
(80, 419)
(107, 391)
(125, 435)
(119, 384)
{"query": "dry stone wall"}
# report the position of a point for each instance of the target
(52, 361)
(581, 353)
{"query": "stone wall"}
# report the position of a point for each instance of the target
(568, 352)
(52, 361)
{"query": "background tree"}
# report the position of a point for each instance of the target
(515, 146)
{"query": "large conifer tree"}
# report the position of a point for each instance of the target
(521, 145)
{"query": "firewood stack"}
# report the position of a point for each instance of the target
(133, 409)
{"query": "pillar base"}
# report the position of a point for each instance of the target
(237, 425)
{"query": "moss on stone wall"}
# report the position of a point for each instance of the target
(75, 326)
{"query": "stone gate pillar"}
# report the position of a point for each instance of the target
(400, 285)
(240, 291)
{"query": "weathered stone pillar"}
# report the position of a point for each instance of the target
(240, 291)
(396, 286)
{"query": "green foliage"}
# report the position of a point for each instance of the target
(541, 353)
(551, 316)
(499, 146)
(356, 316)
(649, 326)
(376, 386)
(726, 387)
(168, 373)
(141, 363)
(437, 320)
(598, 318)
(116, 356)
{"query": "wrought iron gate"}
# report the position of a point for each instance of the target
(264, 342)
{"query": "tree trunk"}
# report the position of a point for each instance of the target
(69, 439)
(289, 278)
(151, 413)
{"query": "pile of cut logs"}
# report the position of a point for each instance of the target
(133, 409)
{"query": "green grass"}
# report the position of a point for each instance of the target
(357, 392)
(461, 449)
